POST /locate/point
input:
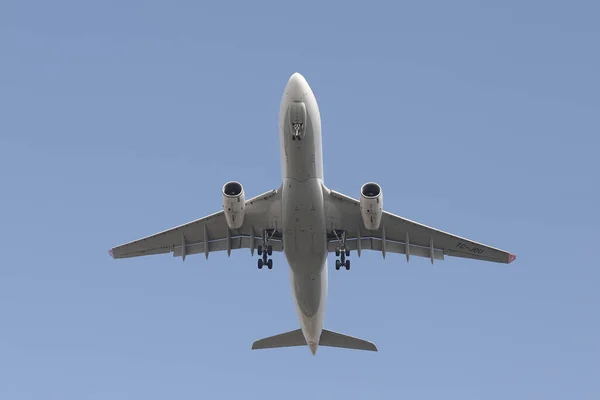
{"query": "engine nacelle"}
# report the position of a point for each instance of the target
(371, 205)
(234, 204)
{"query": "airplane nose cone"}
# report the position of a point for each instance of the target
(297, 86)
(297, 77)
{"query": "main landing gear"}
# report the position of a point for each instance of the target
(266, 250)
(342, 251)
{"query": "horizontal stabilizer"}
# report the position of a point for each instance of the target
(288, 339)
(328, 339)
(334, 339)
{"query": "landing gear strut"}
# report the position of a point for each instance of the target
(342, 251)
(266, 250)
(297, 126)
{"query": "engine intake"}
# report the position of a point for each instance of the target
(234, 204)
(371, 205)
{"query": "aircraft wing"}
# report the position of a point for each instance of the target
(211, 233)
(400, 235)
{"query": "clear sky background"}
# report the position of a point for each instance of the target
(119, 119)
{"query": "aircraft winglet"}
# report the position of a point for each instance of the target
(110, 252)
(511, 258)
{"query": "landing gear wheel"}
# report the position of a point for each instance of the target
(269, 250)
(270, 264)
(337, 252)
(260, 263)
(260, 250)
(347, 265)
(338, 264)
(347, 252)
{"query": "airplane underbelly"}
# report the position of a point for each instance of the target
(308, 293)
(303, 218)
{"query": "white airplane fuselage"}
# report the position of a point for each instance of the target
(304, 217)
(303, 205)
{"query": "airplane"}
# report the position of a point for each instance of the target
(306, 221)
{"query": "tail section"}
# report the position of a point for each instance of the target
(328, 339)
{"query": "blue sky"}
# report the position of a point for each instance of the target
(120, 119)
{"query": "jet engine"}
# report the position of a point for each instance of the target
(234, 204)
(371, 205)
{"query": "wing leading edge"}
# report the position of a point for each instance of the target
(211, 233)
(401, 235)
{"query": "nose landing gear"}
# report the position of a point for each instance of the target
(297, 127)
